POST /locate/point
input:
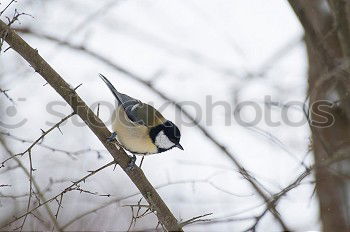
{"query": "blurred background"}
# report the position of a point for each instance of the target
(223, 62)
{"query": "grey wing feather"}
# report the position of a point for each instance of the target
(129, 104)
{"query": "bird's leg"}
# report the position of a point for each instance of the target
(131, 163)
(112, 137)
(143, 157)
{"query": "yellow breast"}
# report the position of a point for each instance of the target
(132, 136)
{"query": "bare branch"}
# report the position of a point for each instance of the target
(230, 155)
(71, 154)
(8, 5)
(196, 219)
(6, 95)
(95, 124)
(37, 140)
(30, 187)
(45, 202)
(38, 190)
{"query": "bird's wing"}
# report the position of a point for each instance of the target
(145, 114)
(136, 111)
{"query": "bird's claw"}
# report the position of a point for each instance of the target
(131, 164)
(112, 137)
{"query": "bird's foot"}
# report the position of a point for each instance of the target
(131, 164)
(112, 137)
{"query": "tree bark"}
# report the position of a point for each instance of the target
(326, 33)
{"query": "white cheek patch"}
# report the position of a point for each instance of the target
(162, 141)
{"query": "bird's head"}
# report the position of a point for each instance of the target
(166, 136)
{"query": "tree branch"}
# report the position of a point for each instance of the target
(94, 123)
(230, 155)
(44, 133)
(36, 186)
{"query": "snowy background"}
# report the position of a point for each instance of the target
(231, 51)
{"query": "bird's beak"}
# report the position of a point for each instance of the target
(179, 146)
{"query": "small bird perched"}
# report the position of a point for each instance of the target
(140, 128)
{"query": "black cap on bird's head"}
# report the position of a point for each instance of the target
(172, 133)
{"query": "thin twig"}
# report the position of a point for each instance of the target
(38, 190)
(38, 139)
(30, 187)
(196, 219)
(6, 95)
(8, 5)
(69, 188)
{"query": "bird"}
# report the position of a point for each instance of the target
(140, 128)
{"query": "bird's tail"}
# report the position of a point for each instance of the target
(111, 88)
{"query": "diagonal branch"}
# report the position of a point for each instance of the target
(92, 121)
(230, 155)
(57, 125)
